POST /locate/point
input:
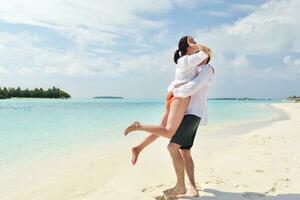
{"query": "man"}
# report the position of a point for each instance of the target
(181, 143)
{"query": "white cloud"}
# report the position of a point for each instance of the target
(152, 64)
(241, 62)
(238, 63)
(291, 60)
(243, 7)
(293, 64)
(4, 70)
(272, 28)
(18, 55)
(161, 36)
(86, 21)
(217, 13)
(83, 22)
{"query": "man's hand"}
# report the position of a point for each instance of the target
(204, 62)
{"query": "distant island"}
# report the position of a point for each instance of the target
(241, 98)
(6, 93)
(294, 98)
(108, 97)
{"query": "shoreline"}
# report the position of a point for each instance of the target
(259, 163)
(245, 126)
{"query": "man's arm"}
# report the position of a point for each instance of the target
(171, 87)
(194, 85)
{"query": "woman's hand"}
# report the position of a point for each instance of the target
(169, 94)
(207, 51)
(204, 48)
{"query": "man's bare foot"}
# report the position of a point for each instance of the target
(193, 192)
(177, 192)
(169, 191)
(132, 127)
(135, 154)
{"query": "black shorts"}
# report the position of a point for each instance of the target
(186, 132)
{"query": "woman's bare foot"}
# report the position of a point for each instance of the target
(177, 192)
(132, 127)
(193, 192)
(135, 151)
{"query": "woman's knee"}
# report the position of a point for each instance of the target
(170, 131)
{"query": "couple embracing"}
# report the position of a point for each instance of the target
(186, 108)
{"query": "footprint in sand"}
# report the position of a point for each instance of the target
(238, 173)
(268, 154)
(219, 181)
(199, 188)
(272, 190)
(285, 179)
(284, 182)
(253, 195)
(242, 185)
(161, 198)
(212, 170)
(259, 171)
(261, 140)
(150, 189)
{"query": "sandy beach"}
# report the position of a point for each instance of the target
(235, 163)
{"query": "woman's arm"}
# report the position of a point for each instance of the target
(202, 56)
(207, 51)
(204, 49)
(194, 59)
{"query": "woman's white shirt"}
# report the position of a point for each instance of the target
(187, 69)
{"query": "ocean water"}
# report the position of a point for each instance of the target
(34, 128)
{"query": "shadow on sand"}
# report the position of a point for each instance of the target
(219, 195)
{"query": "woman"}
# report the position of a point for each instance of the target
(188, 57)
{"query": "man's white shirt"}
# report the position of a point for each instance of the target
(198, 90)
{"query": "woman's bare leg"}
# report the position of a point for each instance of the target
(148, 140)
(176, 114)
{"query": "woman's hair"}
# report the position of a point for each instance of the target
(182, 48)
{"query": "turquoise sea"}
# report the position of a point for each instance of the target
(35, 128)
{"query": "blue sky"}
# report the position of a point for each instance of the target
(125, 48)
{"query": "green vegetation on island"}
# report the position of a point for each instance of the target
(108, 97)
(6, 93)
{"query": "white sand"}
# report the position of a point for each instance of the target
(261, 164)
